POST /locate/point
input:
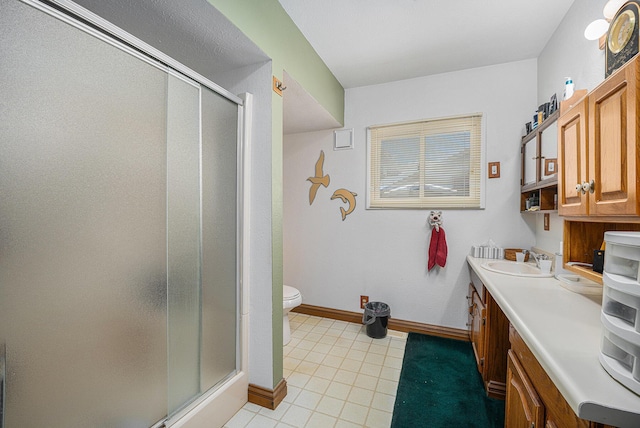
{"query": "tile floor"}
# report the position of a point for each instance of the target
(336, 376)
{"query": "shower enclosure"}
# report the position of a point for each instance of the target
(119, 229)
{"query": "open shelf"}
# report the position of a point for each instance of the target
(539, 178)
(582, 238)
(546, 195)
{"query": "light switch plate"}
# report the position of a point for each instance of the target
(494, 169)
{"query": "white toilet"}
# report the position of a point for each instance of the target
(291, 298)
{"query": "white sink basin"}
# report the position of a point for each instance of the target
(515, 268)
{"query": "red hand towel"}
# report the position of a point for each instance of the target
(437, 249)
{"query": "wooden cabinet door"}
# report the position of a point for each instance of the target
(496, 346)
(478, 322)
(612, 144)
(470, 315)
(523, 407)
(572, 160)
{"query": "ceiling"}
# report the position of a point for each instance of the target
(184, 31)
(366, 42)
(363, 42)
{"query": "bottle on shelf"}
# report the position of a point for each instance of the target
(568, 88)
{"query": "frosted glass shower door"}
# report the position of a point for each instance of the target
(202, 252)
(119, 208)
(202, 220)
(83, 306)
(183, 242)
(220, 270)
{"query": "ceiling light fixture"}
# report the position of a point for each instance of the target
(597, 30)
(611, 8)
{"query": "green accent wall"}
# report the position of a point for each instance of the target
(277, 209)
(267, 24)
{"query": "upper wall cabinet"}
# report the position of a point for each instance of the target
(597, 140)
(572, 157)
(613, 138)
(540, 167)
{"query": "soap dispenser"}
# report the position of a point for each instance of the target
(568, 88)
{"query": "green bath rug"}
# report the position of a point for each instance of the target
(440, 387)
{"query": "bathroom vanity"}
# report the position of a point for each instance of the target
(553, 375)
(489, 335)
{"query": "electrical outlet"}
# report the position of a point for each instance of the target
(363, 301)
(546, 221)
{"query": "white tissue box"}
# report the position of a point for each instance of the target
(485, 252)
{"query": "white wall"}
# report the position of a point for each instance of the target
(256, 80)
(568, 53)
(383, 253)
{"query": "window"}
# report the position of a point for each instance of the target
(426, 164)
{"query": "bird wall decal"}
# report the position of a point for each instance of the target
(318, 179)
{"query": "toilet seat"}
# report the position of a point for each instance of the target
(291, 298)
(289, 293)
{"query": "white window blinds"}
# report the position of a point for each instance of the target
(426, 164)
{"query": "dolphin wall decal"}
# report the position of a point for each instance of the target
(318, 179)
(347, 196)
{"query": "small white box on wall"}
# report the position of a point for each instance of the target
(343, 139)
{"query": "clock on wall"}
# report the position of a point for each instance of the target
(622, 37)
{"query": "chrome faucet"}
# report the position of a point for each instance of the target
(538, 257)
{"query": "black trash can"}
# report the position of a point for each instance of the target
(376, 317)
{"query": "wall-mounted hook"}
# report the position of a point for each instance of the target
(278, 87)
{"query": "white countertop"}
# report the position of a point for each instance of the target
(563, 330)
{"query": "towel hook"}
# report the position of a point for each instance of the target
(435, 220)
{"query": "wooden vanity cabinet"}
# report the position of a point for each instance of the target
(523, 406)
(489, 336)
(532, 399)
(477, 323)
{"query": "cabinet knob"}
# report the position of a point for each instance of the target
(589, 187)
(585, 187)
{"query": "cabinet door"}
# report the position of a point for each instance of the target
(470, 294)
(530, 175)
(572, 160)
(612, 144)
(549, 152)
(478, 330)
(523, 407)
(496, 346)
